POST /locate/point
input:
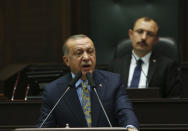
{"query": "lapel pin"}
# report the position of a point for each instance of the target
(154, 60)
(100, 85)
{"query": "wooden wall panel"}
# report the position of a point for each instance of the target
(80, 16)
(33, 30)
(30, 31)
(65, 20)
(2, 30)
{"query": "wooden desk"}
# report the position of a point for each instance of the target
(161, 111)
(151, 113)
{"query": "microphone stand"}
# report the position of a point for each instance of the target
(92, 84)
(55, 106)
(102, 107)
(71, 85)
(15, 86)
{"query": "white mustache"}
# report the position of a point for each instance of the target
(86, 63)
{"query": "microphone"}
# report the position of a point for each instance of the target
(70, 85)
(15, 86)
(90, 80)
(26, 93)
(92, 84)
(76, 78)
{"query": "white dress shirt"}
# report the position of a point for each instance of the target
(144, 69)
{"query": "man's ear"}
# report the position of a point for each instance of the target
(130, 33)
(66, 60)
(156, 40)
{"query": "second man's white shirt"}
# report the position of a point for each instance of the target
(144, 71)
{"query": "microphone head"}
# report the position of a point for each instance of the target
(88, 74)
(90, 79)
(79, 74)
(76, 78)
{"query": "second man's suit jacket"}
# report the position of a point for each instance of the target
(163, 73)
(111, 91)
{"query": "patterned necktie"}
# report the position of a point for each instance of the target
(86, 103)
(136, 75)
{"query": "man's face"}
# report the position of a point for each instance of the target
(143, 36)
(81, 56)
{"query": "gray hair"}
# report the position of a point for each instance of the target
(73, 37)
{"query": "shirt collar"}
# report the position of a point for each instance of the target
(145, 59)
(78, 82)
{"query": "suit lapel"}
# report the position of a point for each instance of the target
(126, 63)
(73, 104)
(152, 68)
(95, 105)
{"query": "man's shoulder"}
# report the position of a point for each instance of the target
(107, 78)
(59, 81)
(164, 59)
(104, 73)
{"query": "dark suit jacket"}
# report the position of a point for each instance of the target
(111, 92)
(163, 73)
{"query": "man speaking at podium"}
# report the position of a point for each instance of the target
(105, 105)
